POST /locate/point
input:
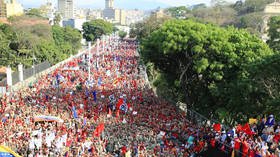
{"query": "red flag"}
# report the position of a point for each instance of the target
(217, 127)
(246, 128)
(95, 133)
(239, 128)
(120, 102)
(99, 129)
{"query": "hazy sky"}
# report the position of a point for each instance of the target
(125, 4)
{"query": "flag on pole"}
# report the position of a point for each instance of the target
(99, 129)
(59, 79)
(99, 81)
(94, 96)
(100, 108)
(66, 154)
(246, 129)
(87, 93)
(112, 98)
(85, 121)
(75, 115)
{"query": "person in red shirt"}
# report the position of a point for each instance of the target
(252, 153)
(213, 142)
(245, 148)
(237, 143)
(124, 150)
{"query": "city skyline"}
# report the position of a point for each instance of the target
(125, 4)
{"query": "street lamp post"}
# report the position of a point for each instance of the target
(98, 46)
(97, 49)
(89, 64)
(33, 66)
(103, 44)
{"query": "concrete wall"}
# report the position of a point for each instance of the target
(273, 8)
(32, 79)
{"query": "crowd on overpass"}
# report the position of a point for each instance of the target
(112, 112)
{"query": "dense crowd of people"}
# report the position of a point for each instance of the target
(112, 112)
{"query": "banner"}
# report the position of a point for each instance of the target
(7, 152)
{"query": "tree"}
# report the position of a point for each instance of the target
(57, 19)
(6, 53)
(274, 33)
(144, 29)
(96, 28)
(219, 15)
(21, 41)
(34, 12)
(198, 6)
(260, 90)
(203, 64)
(252, 22)
(122, 34)
(250, 6)
(178, 12)
(67, 38)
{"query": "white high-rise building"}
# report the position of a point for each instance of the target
(109, 4)
(10, 8)
(66, 8)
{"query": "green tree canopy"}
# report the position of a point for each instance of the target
(57, 18)
(202, 62)
(178, 12)
(145, 28)
(34, 12)
(122, 34)
(250, 6)
(274, 33)
(96, 28)
(21, 40)
(261, 89)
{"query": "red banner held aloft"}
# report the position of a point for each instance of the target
(217, 127)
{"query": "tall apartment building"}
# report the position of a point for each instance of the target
(122, 17)
(66, 8)
(112, 14)
(109, 11)
(109, 4)
(10, 8)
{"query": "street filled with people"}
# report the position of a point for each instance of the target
(112, 111)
